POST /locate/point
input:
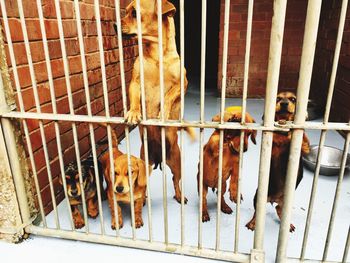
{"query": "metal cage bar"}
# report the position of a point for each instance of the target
(306, 64)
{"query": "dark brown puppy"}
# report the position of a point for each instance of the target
(74, 189)
(230, 161)
(285, 110)
(171, 69)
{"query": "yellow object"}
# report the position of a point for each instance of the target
(233, 108)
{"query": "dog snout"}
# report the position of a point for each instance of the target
(284, 103)
(119, 189)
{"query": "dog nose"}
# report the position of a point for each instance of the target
(119, 189)
(284, 104)
(74, 192)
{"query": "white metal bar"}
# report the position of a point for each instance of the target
(21, 108)
(141, 244)
(162, 115)
(336, 196)
(244, 106)
(200, 188)
(38, 108)
(71, 108)
(275, 52)
(307, 58)
(325, 121)
(222, 111)
(346, 248)
(54, 108)
(182, 110)
(144, 111)
(203, 52)
(173, 123)
(218, 212)
(88, 106)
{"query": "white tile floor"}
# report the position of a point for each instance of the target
(73, 250)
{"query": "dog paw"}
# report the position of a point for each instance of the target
(133, 117)
(205, 216)
(292, 228)
(178, 199)
(79, 224)
(138, 222)
(226, 209)
(233, 197)
(114, 225)
(93, 214)
(250, 225)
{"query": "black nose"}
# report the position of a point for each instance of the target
(119, 189)
(284, 104)
(74, 191)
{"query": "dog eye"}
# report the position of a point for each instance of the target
(293, 100)
(133, 13)
(278, 99)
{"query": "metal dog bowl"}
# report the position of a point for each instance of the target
(330, 161)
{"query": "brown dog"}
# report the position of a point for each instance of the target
(285, 110)
(171, 66)
(230, 161)
(121, 187)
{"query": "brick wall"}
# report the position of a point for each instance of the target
(340, 110)
(76, 78)
(261, 29)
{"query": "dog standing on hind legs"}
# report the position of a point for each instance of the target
(285, 110)
(171, 69)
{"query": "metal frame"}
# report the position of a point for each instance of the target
(268, 127)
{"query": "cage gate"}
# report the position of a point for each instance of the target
(72, 120)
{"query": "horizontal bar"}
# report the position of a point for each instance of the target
(339, 126)
(140, 244)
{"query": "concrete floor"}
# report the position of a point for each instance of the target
(318, 230)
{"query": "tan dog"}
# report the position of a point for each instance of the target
(285, 110)
(172, 96)
(230, 161)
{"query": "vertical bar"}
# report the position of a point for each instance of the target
(336, 196)
(306, 64)
(325, 121)
(244, 106)
(222, 111)
(346, 248)
(144, 115)
(202, 117)
(21, 108)
(182, 109)
(162, 114)
(38, 108)
(71, 109)
(275, 52)
(88, 105)
(54, 108)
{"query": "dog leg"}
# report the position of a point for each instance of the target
(234, 182)
(205, 214)
(111, 207)
(77, 217)
(138, 212)
(251, 224)
(92, 207)
(224, 207)
(174, 163)
(133, 116)
(279, 213)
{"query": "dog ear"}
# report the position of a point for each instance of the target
(142, 178)
(235, 143)
(168, 8)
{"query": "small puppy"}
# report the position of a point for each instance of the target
(74, 190)
(121, 187)
(230, 161)
(171, 69)
(285, 110)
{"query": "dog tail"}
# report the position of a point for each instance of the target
(192, 133)
(114, 137)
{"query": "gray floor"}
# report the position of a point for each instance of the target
(321, 215)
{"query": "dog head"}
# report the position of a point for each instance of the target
(149, 17)
(121, 174)
(233, 136)
(285, 106)
(72, 179)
